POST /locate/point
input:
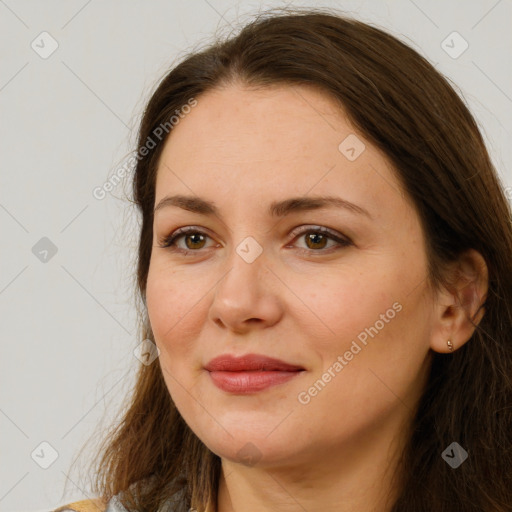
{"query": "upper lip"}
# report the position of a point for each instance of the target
(248, 362)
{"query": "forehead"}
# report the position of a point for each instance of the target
(265, 122)
(239, 142)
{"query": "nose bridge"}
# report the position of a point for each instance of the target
(246, 265)
(244, 293)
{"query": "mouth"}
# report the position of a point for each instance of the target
(250, 362)
(250, 373)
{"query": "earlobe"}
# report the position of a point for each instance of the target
(460, 308)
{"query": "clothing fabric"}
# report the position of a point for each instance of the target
(175, 504)
(93, 505)
(114, 505)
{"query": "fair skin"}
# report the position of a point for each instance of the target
(304, 303)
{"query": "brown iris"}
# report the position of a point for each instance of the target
(316, 238)
(198, 238)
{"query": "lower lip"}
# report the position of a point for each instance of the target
(250, 381)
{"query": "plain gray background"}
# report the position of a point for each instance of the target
(68, 121)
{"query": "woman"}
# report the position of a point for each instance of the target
(325, 264)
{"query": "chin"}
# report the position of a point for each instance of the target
(248, 446)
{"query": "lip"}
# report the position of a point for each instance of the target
(249, 362)
(250, 373)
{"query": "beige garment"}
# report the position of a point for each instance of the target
(97, 505)
(83, 506)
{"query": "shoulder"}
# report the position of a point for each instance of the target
(176, 503)
(93, 505)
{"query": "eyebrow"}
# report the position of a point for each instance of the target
(276, 209)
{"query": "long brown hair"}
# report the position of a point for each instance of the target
(400, 103)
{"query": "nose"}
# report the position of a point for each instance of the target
(247, 297)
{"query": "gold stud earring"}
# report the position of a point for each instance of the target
(450, 345)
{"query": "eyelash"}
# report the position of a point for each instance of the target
(169, 242)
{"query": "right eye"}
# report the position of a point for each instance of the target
(193, 237)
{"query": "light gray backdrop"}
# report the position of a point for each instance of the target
(73, 79)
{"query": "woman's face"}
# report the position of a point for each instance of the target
(350, 307)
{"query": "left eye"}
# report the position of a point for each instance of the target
(316, 239)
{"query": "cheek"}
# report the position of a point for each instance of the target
(341, 304)
(174, 309)
(175, 306)
(374, 344)
(367, 329)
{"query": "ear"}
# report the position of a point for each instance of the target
(459, 306)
